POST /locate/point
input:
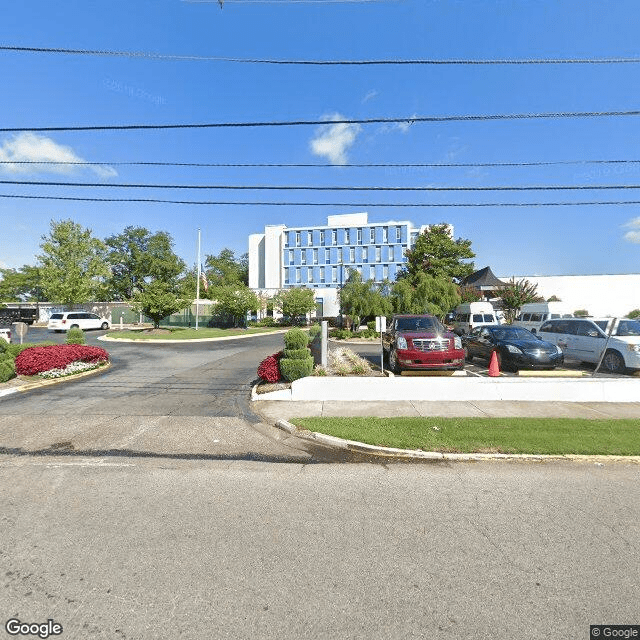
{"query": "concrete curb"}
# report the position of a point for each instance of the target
(153, 341)
(418, 454)
(28, 386)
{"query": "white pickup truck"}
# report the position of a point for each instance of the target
(5, 334)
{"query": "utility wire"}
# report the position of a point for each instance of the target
(275, 61)
(322, 165)
(293, 123)
(326, 204)
(226, 187)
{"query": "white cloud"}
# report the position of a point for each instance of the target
(370, 96)
(34, 148)
(633, 235)
(333, 141)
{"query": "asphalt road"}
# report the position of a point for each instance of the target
(150, 502)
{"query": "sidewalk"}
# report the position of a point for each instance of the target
(274, 410)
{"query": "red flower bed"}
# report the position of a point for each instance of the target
(35, 360)
(269, 369)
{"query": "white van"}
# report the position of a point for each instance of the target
(533, 314)
(584, 339)
(473, 314)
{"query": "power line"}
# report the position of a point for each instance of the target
(387, 165)
(293, 123)
(325, 204)
(227, 187)
(275, 61)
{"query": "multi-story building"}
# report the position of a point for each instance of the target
(321, 257)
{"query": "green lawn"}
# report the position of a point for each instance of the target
(179, 333)
(487, 435)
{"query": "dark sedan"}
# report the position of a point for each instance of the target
(517, 348)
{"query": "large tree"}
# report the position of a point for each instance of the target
(158, 300)
(73, 265)
(20, 285)
(295, 303)
(437, 254)
(359, 299)
(226, 269)
(138, 257)
(424, 294)
(235, 302)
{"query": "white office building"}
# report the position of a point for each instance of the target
(320, 257)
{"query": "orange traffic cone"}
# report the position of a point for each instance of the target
(494, 368)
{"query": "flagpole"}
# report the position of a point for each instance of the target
(198, 283)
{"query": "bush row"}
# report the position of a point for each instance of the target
(35, 360)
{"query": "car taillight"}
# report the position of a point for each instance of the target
(64, 322)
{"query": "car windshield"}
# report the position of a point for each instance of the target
(419, 324)
(628, 328)
(56, 316)
(512, 333)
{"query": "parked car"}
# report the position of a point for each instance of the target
(76, 320)
(533, 314)
(516, 348)
(5, 334)
(469, 315)
(421, 343)
(585, 338)
(9, 315)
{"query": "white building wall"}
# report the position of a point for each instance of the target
(256, 261)
(273, 245)
(600, 295)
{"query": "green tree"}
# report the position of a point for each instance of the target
(424, 294)
(359, 299)
(226, 269)
(158, 300)
(437, 254)
(634, 314)
(469, 294)
(295, 303)
(515, 294)
(21, 285)
(554, 299)
(73, 265)
(137, 257)
(235, 301)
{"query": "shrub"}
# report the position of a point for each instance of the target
(295, 369)
(3, 345)
(34, 360)
(7, 369)
(297, 354)
(269, 369)
(371, 325)
(634, 314)
(340, 334)
(266, 322)
(581, 313)
(314, 331)
(75, 336)
(296, 339)
(368, 333)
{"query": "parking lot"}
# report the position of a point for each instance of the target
(371, 352)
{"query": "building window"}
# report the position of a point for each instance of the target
(334, 236)
(339, 254)
(327, 256)
(309, 238)
(321, 274)
(378, 254)
(385, 234)
(297, 275)
(286, 275)
(365, 254)
(372, 237)
(347, 236)
(309, 274)
(398, 234)
(290, 256)
(297, 238)
(303, 257)
(391, 254)
(322, 237)
(334, 274)
(372, 273)
(352, 255)
(315, 256)
(359, 236)
(385, 272)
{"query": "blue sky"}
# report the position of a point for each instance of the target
(65, 90)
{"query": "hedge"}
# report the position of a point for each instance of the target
(35, 360)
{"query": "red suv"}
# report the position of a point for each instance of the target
(421, 343)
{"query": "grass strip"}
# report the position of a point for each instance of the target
(191, 334)
(542, 436)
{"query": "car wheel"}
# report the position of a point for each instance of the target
(393, 362)
(74, 326)
(104, 326)
(613, 362)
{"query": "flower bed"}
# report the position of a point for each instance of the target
(36, 360)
